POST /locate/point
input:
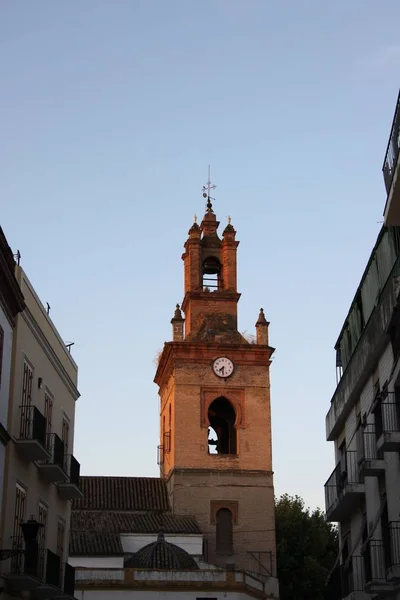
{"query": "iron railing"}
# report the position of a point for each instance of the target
(346, 473)
(367, 444)
(393, 149)
(353, 576)
(69, 579)
(32, 424)
(374, 562)
(394, 543)
(387, 418)
(72, 469)
(55, 446)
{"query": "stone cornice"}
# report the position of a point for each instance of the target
(198, 352)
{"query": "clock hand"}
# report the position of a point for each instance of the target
(222, 369)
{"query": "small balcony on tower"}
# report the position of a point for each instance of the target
(371, 461)
(31, 441)
(387, 424)
(344, 488)
(391, 172)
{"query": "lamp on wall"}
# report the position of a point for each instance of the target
(40, 383)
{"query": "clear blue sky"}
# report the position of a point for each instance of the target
(111, 112)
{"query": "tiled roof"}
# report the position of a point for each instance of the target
(124, 522)
(162, 555)
(94, 544)
(122, 493)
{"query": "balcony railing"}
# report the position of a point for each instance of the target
(393, 149)
(387, 423)
(69, 487)
(40, 571)
(375, 566)
(31, 442)
(353, 576)
(371, 461)
(52, 469)
(344, 487)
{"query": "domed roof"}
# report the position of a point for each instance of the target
(162, 555)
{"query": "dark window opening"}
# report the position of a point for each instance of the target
(211, 271)
(224, 531)
(222, 417)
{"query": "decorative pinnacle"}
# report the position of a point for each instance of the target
(195, 219)
(207, 189)
(229, 220)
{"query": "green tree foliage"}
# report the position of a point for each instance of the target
(307, 547)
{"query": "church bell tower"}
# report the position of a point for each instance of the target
(215, 432)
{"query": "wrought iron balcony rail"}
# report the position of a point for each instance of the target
(375, 562)
(352, 576)
(393, 149)
(72, 468)
(346, 473)
(32, 424)
(387, 418)
(394, 543)
(55, 446)
(367, 444)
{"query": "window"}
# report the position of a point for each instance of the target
(26, 399)
(43, 520)
(65, 434)
(1, 350)
(19, 515)
(224, 531)
(48, 411)
(60, 538)
(211, 270)
(222, 418)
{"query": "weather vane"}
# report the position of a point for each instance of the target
(207, 189)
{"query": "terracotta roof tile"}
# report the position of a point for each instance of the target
(94, 544)
(123, 493)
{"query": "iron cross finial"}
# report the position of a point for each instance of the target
(207, 189)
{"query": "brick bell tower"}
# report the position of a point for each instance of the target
(215, 447)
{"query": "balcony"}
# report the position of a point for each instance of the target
(375, 561)
(393, 572)
(52, 468)
(352, 575)
(391, 170)
(40, 572)
(371, 462)
(344, 488)
(31, 443)
(387, 423)
(68, 488)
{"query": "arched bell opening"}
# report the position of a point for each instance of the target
(222, 418)
(211, 272)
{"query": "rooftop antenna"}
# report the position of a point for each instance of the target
(68, 346)
(17, 257)
(207, 189)
(48, 308)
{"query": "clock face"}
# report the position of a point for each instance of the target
(223, 367)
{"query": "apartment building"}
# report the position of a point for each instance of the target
(41, 475)
(11, 303)
(363, 492)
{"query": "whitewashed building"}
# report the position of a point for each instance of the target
(11, 303)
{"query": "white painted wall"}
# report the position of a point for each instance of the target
(97, 562)
(193, 544)
(6, 368)
(4, 389)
